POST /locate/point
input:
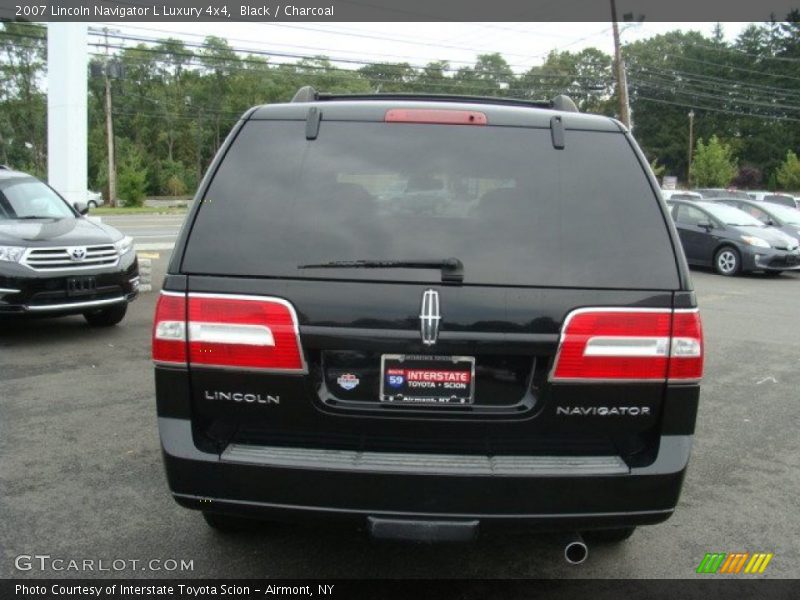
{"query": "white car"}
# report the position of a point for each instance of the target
(94, 199)
(680, 195)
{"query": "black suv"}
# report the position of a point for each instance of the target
(428, 314)
(54, 261)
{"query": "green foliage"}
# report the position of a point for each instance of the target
(175, 186)
(131, 176)
(788, 174)
(658, 170)
(23, 121)
(173, 179)
(749, 177)
(713, 164)
(772, 182)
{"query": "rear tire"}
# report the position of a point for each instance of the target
(727, 261)
(106, 317)
(609, 536)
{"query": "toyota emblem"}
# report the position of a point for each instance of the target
(77, 254)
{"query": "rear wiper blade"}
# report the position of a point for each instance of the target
(452, 268)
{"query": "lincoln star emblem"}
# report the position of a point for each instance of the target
(77, 254)
(429, 317)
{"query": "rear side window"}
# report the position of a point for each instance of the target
(689, 215)
(512, 208)
(778, 199)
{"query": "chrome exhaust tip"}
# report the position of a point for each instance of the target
(575, 549)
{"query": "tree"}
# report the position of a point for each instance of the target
(658, 170)
(713, 164)
(748, 178)
(132, 178)
(388, 77)
(23, 121)
(788, 174)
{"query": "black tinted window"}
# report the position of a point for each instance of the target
(503, 200)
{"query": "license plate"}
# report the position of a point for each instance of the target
(427, 380)
(81, 286)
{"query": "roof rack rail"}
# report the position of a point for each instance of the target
(560, 102)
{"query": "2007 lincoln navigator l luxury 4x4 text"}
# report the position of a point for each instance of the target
(429, 315)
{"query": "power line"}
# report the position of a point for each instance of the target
(716, 97)
(717, 80)
(271, 54)
(247, 41)
(737, 51)
(719, 110)
(294, 55)
(442, 84)
(743, 70)
(716, 92)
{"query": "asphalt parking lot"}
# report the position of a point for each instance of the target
(81, 475)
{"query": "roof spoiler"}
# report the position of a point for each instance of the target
(561, 102)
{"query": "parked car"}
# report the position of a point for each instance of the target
(730, 240)
(721, 193)
(775, 198)
(55, 262)
(94, 199)
(532, 360)
(680, 195)
(775, 215)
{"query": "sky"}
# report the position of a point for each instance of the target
(522, 44)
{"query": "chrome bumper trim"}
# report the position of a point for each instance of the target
(427, 464)
(71, 305)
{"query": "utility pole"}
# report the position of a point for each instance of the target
(691, 148)
(619, 68)
(112, 167)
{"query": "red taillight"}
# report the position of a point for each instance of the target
(169, 329)
(231, 331)
(435, 116)
(248, 332)
(629, 345)
(686, 357)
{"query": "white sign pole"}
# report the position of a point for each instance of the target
(67, 129)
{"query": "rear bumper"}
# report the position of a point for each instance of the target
(548, 494)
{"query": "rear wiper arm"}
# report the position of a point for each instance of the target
(452, 268)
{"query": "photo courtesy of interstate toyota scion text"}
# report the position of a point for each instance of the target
(430, 316)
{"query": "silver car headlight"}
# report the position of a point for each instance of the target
(755, 241)
(11, 253)
(124, 245)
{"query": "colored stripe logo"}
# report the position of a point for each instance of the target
(734, 563)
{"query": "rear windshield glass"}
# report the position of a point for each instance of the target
(512, 208)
